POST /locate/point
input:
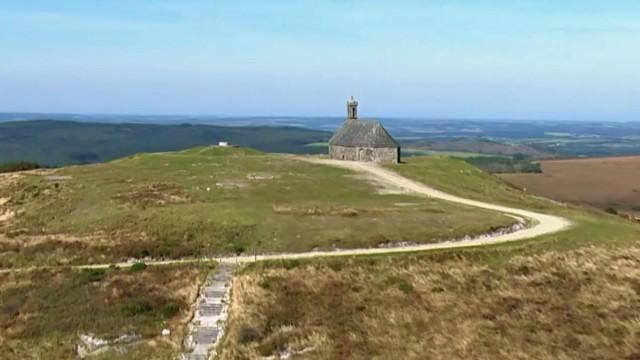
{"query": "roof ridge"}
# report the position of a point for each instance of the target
(363, 133)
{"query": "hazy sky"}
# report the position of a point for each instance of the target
(527, 59)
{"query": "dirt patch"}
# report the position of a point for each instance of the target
(154, 194)
(381, 187)
(6, 216)
(330, 211)
(231, 184)
(261, 176)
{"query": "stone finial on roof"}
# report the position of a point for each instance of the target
(352, 109)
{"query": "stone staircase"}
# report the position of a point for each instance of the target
(210, 315)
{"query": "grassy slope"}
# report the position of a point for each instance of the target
(211, 201)
(455, 176)
(57, 143)
(458, 154)
(580, 304)
(572, 295)
(43, 312)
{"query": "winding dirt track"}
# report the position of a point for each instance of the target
(542, 224)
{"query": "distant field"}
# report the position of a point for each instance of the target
(322, 145)
(602, 182)
(57, 143)
(213, 201)
(458, 154)
(469, 146)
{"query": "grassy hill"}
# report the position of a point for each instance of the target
(210, 201)
(57, 143)
(559, 296)
(571, 295)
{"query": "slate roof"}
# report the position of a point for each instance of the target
(363, 133)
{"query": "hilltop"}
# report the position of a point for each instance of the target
(537, 295)
(212, 201)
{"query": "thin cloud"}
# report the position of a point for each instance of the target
(71, 21)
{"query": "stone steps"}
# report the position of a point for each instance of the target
(210, 309)
(205, 335)
(207, 324)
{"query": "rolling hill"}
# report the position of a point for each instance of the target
(58, 143)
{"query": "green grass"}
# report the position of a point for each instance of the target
(591, 227)
(458, 154)
(571, 295)
(214, 201)
(322, 144)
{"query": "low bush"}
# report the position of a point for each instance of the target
(91, 275)
(136, 308)
(170, 310)
(402, 284)
(139, 266)
(248, 334)
(18, 166)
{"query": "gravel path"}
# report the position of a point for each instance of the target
(542, 224)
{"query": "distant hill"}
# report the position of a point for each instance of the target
(479, 146)
(56, 143)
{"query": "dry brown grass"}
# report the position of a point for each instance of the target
(42, 312)
(581, 304)
(601, 182)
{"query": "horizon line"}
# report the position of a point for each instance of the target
(410, 118)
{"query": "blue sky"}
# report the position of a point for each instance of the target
(513, 59)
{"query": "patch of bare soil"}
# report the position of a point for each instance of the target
(230, 184)
(261, 176)
(330, 211)
(155, 194)
(381, 187)
(6, 215)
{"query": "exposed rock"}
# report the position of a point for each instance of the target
(91, 344)
(58, 177)
(261, 176)
(231, 184)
